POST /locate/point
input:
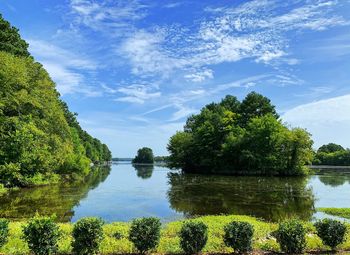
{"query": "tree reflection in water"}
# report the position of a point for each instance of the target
(58, 199)
(270, 198)
(144, 171)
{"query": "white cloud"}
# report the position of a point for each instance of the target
(327, 120)
(112, 17)
(67, 69)
(137, 94)
(255, 30)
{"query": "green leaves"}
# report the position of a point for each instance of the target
(145, 233)
(240, 138)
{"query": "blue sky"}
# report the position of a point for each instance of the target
(134, 70)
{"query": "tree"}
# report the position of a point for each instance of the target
(240, 138)
(331, 147)
(11, 41)
(144, 156)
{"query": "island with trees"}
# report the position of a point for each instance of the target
(144, 156)
(332, 155)
(40, 139)
(240, 138)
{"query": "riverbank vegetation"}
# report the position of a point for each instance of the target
(40, 139)
(245, 138)
(332, 155)
(341, 212)
(116, 236)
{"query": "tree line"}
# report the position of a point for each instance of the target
(333, 155)
(40, 139)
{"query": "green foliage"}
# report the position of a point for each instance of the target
(333, 155)
(145, 233)
(41, 235)
(144, 156)
(87, 236)
(332, 232)
(193, 237)
(239, 235)
(4, 231)
(291, 236)
(240, 138)
(39, 136)
(341, 212)
(11, 41)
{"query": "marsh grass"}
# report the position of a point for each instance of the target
(170, 242)
(341, 212)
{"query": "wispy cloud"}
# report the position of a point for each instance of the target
(67, 69)
(137, 94)
(112, 17)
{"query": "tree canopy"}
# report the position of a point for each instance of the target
(233, 137)
(39, 137)
(144, 156)
(11, 41)
(333, 155)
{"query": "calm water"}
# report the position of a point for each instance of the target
(123, 192)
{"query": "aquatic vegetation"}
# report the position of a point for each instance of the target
(341, 212)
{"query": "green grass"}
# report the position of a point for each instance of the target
(3, 190)
(341, 212)
(169, 243)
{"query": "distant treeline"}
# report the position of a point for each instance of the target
(333, 155)
(40, 139)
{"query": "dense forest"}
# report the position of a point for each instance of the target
(245, 138)
(40, 139)
(333, 155)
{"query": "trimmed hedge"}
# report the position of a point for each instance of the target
(145, 233)
(239, 235)
(42, 235)
(291, 236)
(4, 231)
(332, 232)
(193, 237)
(87, 236)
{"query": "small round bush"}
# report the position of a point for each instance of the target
(87, 236)
(239, 236)
(4, 231)
(145, 233)
(193, 237)
(41, 235)
(291, 236)
(332, 232)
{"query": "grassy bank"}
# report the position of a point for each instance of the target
(169, 242)
(341, 212)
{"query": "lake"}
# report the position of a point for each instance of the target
(123, 192)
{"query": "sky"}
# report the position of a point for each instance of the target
(134, 70)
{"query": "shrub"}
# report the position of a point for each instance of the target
(291, 236)
(239, 235)
(41, 235)
(87, 236)
(4, 231)
(332, 232)
(193, 237)
(145, 233)
(117, 235)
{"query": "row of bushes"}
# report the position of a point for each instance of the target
(42, 235)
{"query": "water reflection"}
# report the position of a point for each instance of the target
(334, 177)
(53, 199)
(144, 171)
(269, 198)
